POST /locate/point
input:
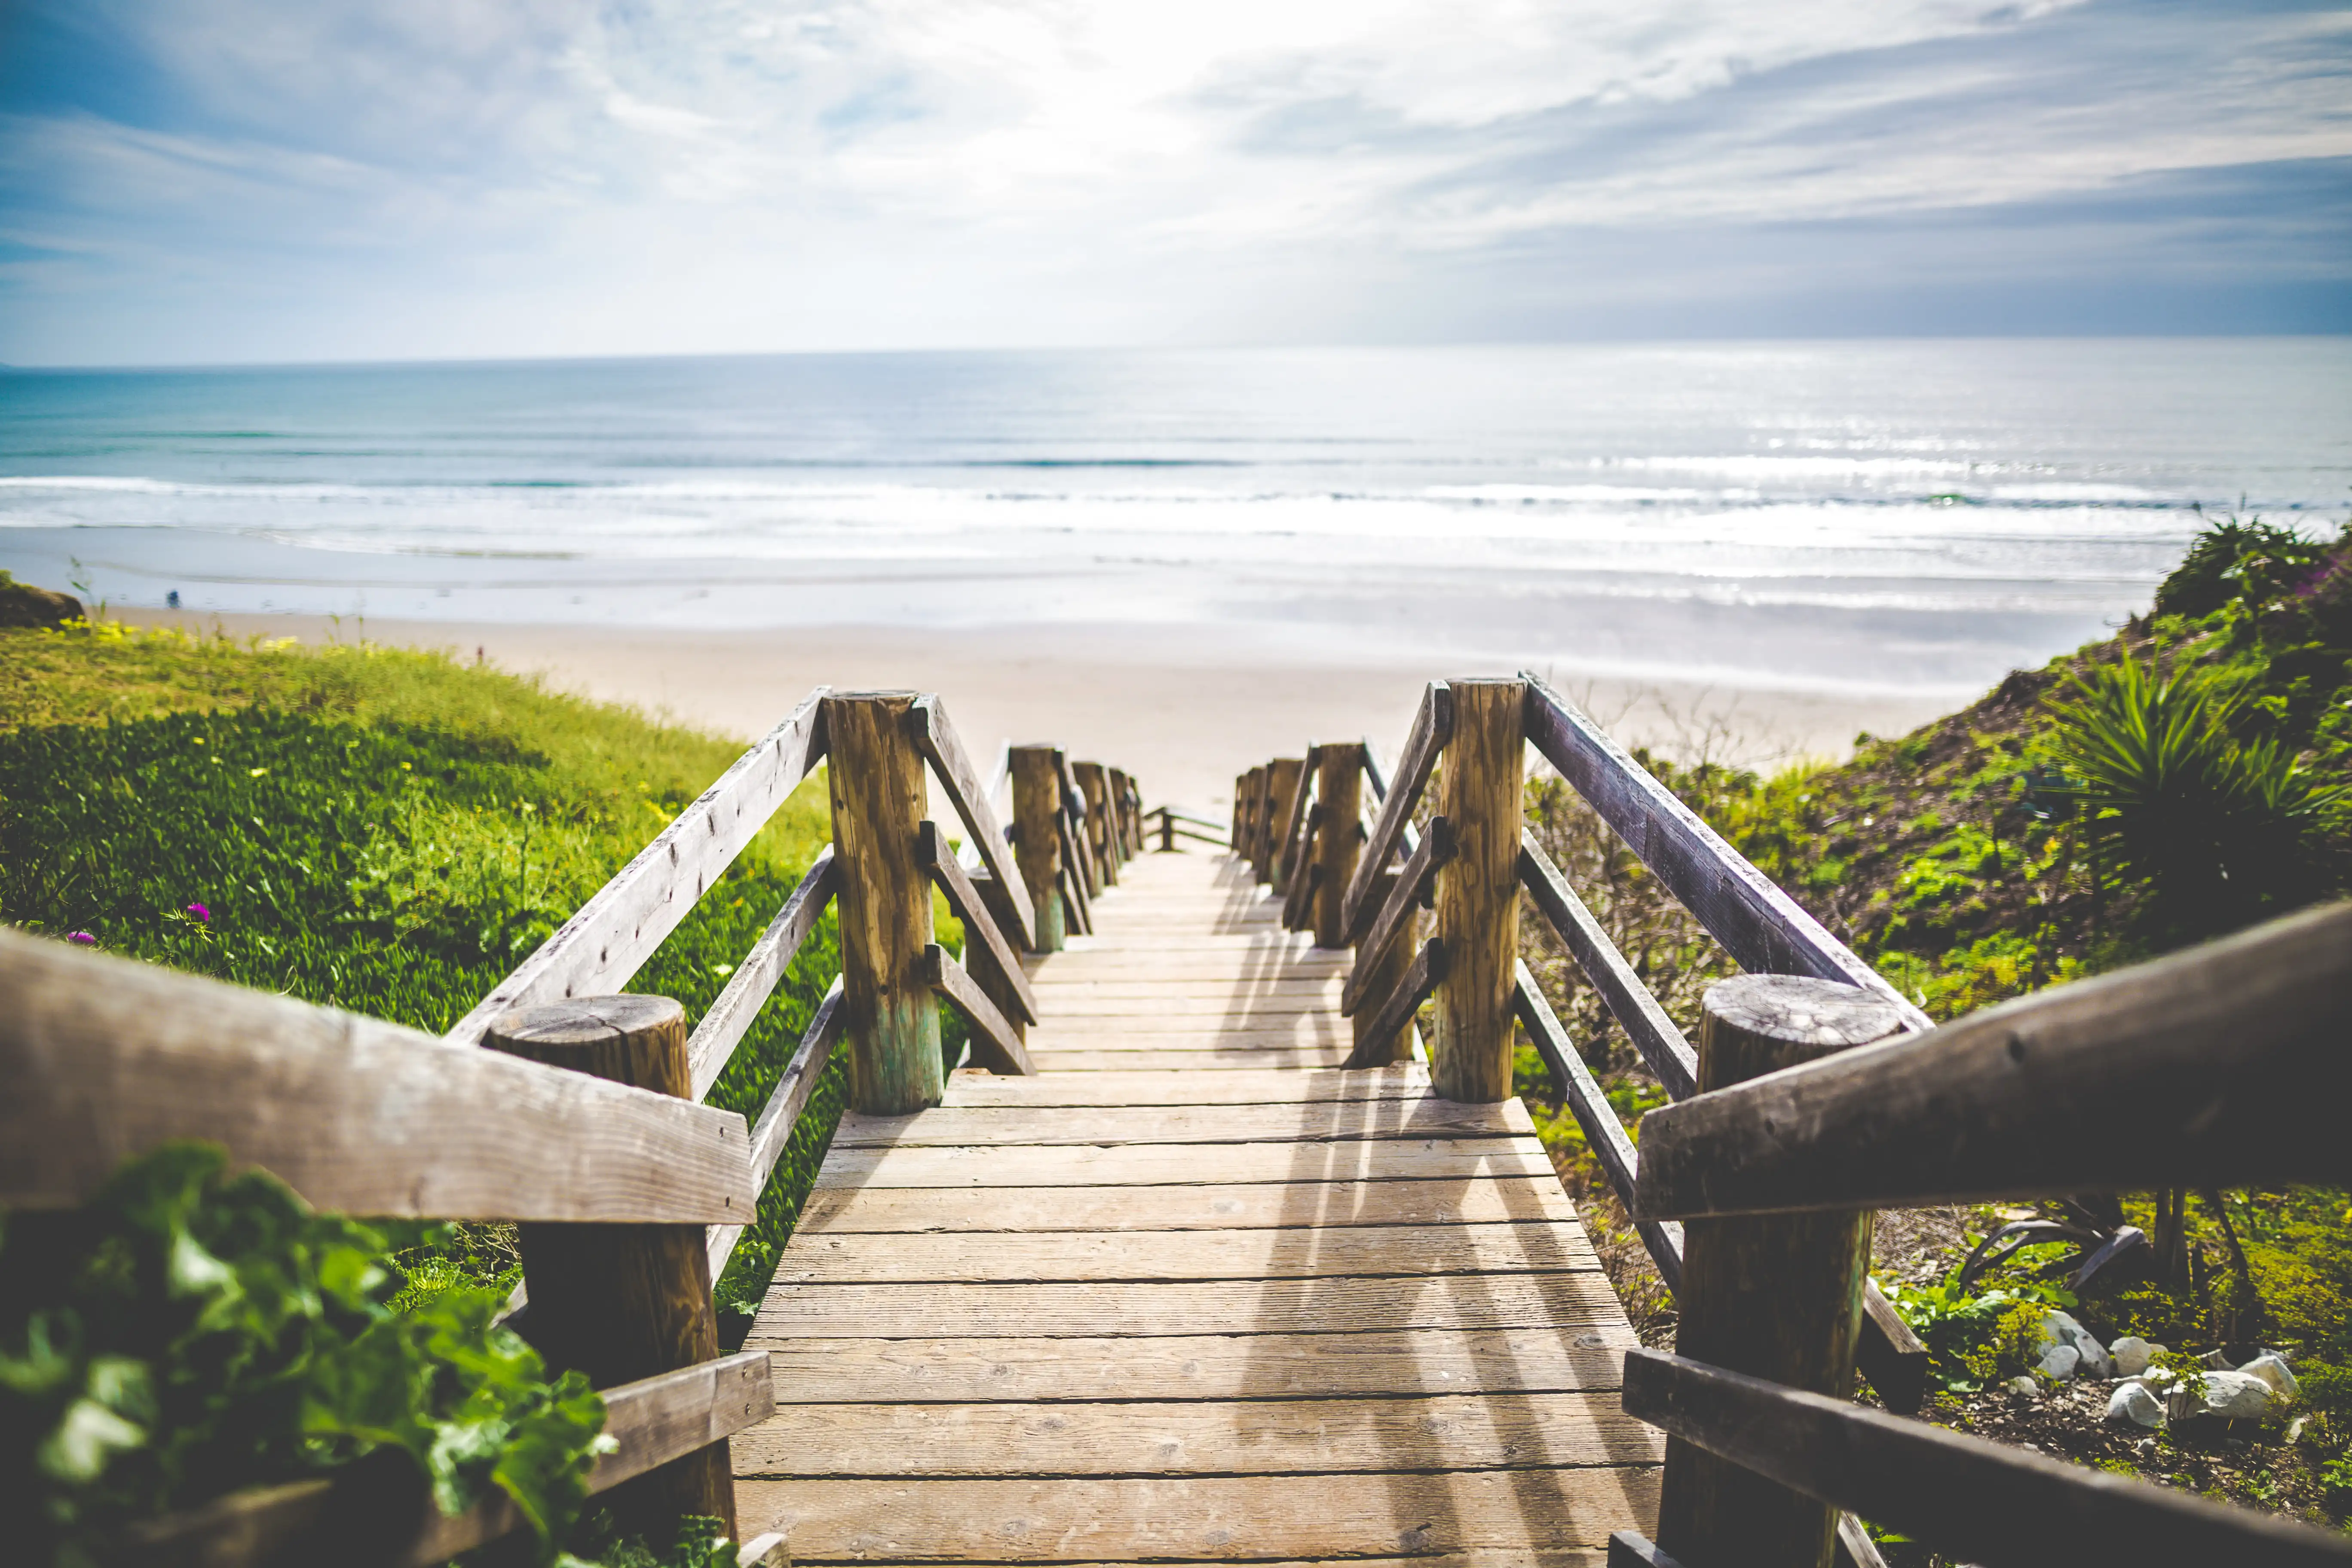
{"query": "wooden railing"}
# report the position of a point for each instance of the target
(1774, 1157)
(583, 1124)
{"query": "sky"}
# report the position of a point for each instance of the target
(228, 181)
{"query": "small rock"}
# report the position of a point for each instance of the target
(2132, 1402)
(2216, 1361)
(2021, 1385)
(2059, 1361)
(2132, 1355)
(2294, 1428)
(2236, 1395)
(2270, 1367)
(2091, 1356)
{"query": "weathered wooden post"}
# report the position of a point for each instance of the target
(1122, 828)
(1285, 777)
(1775, 1296)
(1339, 795)
(1383, 973)
(1253, 809)
(1037, 843)
(1099, 833)
(1167, 830)
(1481, 792)
(891, 1017)
(623, 1301)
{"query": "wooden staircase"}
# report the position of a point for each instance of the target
(1191, 1294)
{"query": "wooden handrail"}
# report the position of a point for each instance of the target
(995, 1044)
(1288, 848)
(1604, 1133)
(1765, 930)
(1965, 1496)
(608, 939)
(755, 979)
(105, 1058)
(782, 1112)
(1637, 1012)
(964, 899)
(935, 736)
(1433, 725)
(1428, 968)
(1383, 925)
(2049, 1093)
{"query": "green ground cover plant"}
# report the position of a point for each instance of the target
(187, 1334)
(390, 832)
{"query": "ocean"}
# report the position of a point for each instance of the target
(1868, 516)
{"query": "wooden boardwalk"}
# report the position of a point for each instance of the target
(1192, 1295)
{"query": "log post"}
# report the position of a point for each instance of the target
(1036, 845)
(892, 1019)
(1286, 776)
(1481, 793)
(1167, 830)
(1385, 974)
(1775, 1296)
(1339, 786)
(1121, 826)
(1100, 834)
(621, 1303)
(1253, 809)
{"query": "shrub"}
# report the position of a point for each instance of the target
(2212, 826)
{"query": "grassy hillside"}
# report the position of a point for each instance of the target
(378, 829)
(2184, 778)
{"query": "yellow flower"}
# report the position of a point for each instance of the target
(255, 773)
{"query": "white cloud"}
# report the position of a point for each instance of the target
(1057, 165)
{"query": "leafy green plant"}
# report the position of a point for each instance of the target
(1973, 1339)
(2232, 560)
(2213, 827)
(187, 1334)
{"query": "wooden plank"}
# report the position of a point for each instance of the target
(1454, 1434)
(105, 1058)
(1298, 1031)
(995, 1045)
(1576, 1303)
(1245, 1206)
(1406, 893)
(978, 925)
(1964, 1497)
(1071, 985)
(1637, 1012)
(1604, 1133)
(1760, 925)
(790, 1096)
(935, 735)
(1425, 1116)
(723, 1028)
(1078, 1011)
(1210, 1518)
(609, 937)
(1199, 1366)
(969, 1090)
(1370, 1251)
(1182, 1164)
(1053, 1061)
(2051, 1093)
(1433, 725)
(1428, 969)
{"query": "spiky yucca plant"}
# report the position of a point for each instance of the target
(2213, 827)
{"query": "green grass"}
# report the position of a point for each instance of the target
(382, 830)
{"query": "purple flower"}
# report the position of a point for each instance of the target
(84, 937)
(203, 916)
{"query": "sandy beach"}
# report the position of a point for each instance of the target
(1182, 713)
